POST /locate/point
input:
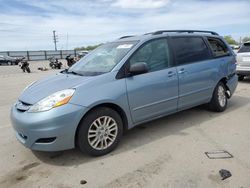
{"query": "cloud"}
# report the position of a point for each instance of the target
(140, 4)
(91, 22)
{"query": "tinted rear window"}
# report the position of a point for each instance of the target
(218, 47)
(190, 49)
(244, 48)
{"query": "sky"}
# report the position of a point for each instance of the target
(29, 24)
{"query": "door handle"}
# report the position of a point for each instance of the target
(182, 71)
(171, 73)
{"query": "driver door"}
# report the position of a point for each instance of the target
(154, 93)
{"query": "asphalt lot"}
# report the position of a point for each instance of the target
(164, 153)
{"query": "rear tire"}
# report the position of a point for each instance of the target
(28, 69)
(218, 102)
(241, 77)
(99, 132)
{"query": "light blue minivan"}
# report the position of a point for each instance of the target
(124, 83)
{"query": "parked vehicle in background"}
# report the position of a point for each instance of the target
(235, 47)
(7, 60)
(243, 61)
(24, 65)
(54, 63)
(122, 84)
(81, 54)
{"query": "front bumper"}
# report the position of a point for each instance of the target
(52, 130)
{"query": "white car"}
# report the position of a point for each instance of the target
(243, 61)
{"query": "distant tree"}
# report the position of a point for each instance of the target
(230, 40)
(245, 39)
(88, 48)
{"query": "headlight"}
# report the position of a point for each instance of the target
(56, 99)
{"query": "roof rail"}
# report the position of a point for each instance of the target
(183, 31)
(123, 37)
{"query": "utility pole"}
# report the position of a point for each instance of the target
(67, 41)
(55, 39)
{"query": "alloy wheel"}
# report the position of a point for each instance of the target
(221, 96)
(102, 132)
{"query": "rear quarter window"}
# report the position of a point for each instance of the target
(190, 49)
(218, 47)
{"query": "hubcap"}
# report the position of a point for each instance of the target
(221, 96)
(102, 132)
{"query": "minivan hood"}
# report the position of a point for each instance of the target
(45, 87)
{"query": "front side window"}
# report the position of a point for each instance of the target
(218, 47)
(244, 48)
(190, 49)
(103, 59)
(154, 53)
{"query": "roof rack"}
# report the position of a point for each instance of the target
(183, 31)
(123, 37)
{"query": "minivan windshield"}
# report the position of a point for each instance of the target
(103, 59)
(245, 48)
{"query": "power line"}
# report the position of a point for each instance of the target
(55, 39)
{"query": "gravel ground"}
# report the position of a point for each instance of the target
(168, 152)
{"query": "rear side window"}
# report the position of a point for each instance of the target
(190, 49)
(218, 47)
(154, 53)
(244, 48)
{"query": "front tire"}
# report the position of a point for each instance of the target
(99, 132)
(218, 102)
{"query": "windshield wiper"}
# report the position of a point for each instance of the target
(92, 73)
(75, 73)
(83, 73)
(64, 71)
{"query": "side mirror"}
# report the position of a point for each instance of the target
(138, 68)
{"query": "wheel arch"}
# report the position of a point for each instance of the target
(224, 81)
(112, 106)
